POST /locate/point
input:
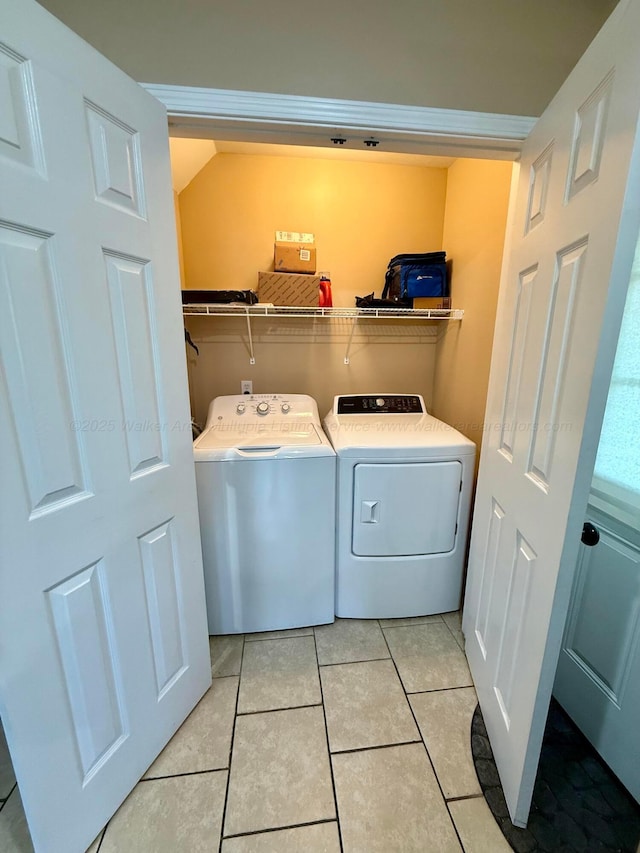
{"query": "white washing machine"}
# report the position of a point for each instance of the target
(265, 473)
(403, 501)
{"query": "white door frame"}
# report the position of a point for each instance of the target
(270, 118)
(292, 119)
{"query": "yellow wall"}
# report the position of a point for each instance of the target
(307, 357)
(176, 207)
(474, 232)
(361, 214)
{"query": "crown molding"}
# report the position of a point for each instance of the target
(255, 110)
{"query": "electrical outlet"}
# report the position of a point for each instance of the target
(246, 386)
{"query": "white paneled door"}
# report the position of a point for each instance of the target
(574, 229)
(103, 638)
(598, 676)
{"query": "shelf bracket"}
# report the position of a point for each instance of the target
(252, 358)
(353, 328)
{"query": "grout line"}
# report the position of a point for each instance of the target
(233, 735)
(439, 689)
(326, 733)
(274, 710)
(281, 828)
(444, 799)
(437, 621)
(102, 835)
(479, 796)
(350, 662)
(4, 802)
(418, 625)
(270, 639)
(375, 746)
(454, 636)
(220, 677)
(186, 773)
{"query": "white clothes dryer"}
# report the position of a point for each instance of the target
(403, 501)
(265, 474)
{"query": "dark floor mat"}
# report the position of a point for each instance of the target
(578, 804)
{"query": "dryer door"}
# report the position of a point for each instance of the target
(405, 509)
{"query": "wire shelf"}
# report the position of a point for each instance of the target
(267, 310)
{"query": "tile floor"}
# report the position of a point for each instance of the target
(348, 737)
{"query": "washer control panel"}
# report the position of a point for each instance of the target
(262, 408)
(380, 404)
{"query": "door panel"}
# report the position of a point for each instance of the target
(42, 402)
(80, 613)
(574, 227)
(133, 322)
(102, 615)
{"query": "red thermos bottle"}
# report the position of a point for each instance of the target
(324, 296)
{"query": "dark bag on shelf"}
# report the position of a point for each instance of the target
(370, 301)
(199, 297)
(411, 276)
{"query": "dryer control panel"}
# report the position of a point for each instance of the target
(380, 404)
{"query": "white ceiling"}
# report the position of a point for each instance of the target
(189, 156)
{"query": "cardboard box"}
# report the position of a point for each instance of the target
(294, 252)
(432, 302)
(294, 257)
(287, 289)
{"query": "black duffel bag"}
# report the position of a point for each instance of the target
(200, 297)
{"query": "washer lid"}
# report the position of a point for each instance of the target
(261, 440)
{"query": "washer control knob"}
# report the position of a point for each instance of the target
(380, 402)
(263, 408)
(240, 408)
(285, 408)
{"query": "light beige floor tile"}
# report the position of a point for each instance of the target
(14, 832)
(319, 838)
(203, 742)
(389, 800)
(280, 774)
(279, 635)
(412, 620)
(350, 640)
(444, 718)
(226, 655)
(7, 776)
(365, 705)
(453, 621)
(279, 674)
(428, 658)
(179, 815)
(477, 827)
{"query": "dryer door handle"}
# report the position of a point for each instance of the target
(370, 512)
